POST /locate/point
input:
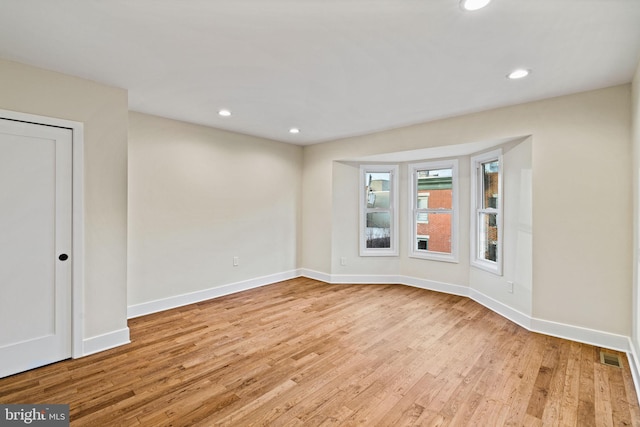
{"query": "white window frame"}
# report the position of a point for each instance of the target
(477, 210)
(414, 212)
(393, 171)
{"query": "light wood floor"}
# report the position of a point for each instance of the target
(305, 353)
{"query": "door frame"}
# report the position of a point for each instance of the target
(77, 214)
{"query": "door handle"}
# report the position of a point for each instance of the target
(63, 257)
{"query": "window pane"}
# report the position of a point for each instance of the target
(488, 235)
(490, 184)
(377, 190)
(423, 203)
(423, 243)
(437, 231)
(437, 184)
(378, 230)
(423, 217)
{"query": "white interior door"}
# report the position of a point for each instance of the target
(35, 245)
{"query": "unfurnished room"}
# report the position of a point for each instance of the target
(316, 212)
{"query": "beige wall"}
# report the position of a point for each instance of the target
(581, 205)
(103, 110)
(517, 224)
(200, 196)
(518, 234)
(635, 337)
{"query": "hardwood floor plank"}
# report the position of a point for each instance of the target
(604, 413)
(307, 353)
(538, 401)
(489, 412)
(620, 406)
(586, 396)
(569, 400)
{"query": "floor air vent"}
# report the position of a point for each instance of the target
(610, 359)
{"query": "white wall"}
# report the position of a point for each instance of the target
(103, 110)
(581, 270)
(200, 196)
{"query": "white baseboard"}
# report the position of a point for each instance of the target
(560, 330)
(105, 341)
(145, 308)
(316, 275)
(433, 285)
(502, 309)
(634, 364)
(373, 279)
(580, 334)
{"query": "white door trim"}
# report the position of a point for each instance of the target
(77, 253)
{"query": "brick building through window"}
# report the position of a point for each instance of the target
(433, 230)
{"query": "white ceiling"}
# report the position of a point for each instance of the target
(333, 68)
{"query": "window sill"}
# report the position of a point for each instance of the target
(435, 256)
(490, 267)
(381, 253)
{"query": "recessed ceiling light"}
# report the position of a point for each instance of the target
(518, 74)
(224, 113)
(473, 4)
(294, 130)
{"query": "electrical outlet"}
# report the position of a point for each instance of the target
(236, 261)
(509, 287)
